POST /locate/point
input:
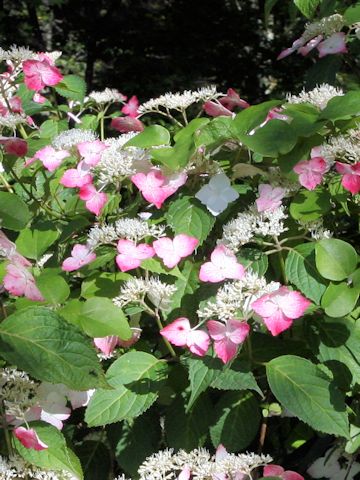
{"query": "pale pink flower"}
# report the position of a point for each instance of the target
(227, 337)
(18, 281)
(298, 43)
(180, 333)
(278, 471)
(351, 176)
(15, 103)
(135, 336)
(332, 45)
(172, 251)
(79, 399)
(269, 198)
(314, 42)
(232, 100)
(91, 151)
(106, 344)
(131, 255)
(311, 172)
(185, 473)
(94, 200)
(223, 265)
(38, 98)
(127, 124)
(29, 438)
(40, 73)
(215, 109)
(52, 400)
(156, 187)
(50, 157)
(77, 177)
(278, 309)
(131, 107)
(80, 255)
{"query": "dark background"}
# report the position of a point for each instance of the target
(147, 47)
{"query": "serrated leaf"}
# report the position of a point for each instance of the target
(136, 378)
(43, 344)
(237, 420)
(236, 377)
(301, 387)
(301, 271)
(202, 371)
(187, 215)
(56, 457)
(73, 87)
(14, 213)
(307, 7)
(335, 259)
(254, 259)
(186, 285)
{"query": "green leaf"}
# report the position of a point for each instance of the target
(237, 376)
(95, 459)
(175, 157)
(252, 117)
(150, 137)
(344, 106)
(202, 371)
(307, 7)
(193, 127)
(100, 318)
(335, 259)
(103, 284)
(269, 5)
(352, 14)
(302, 388)
(33, 243)
(40, 342)
(339, 299)
(309, 205)
(53, 287)
(73, 87)
(300, 270)
(237, 420)
(254, 259)
(186, 285)
(187, 215)
(56, 457)
(136, 378)
(154, 265)
(217, 130)
(14, 213)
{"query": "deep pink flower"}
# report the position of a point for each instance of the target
(50, 157)
(77, 177)
(80, 256)
(29, 438)
(278, 309)
(223, 265)
(351, 176)
(181, 334)
(311, 172)
(227, 337)
(269, 198)
(232, 100)
(91, 151)
(278, 471)
(40, 73)
(14, 146)
(19, 282)
(94, 200)
(172, 251)
(131, 255)
(127, 124)
(332, 45)
(156, 187)
(215, 109)
(131, 108)
(106, 344)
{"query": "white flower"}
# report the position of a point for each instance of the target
(319, 96)
(17, 468)
(328, 466)
(11, 120)
(106, 96)
(217, 194)
(69, 138)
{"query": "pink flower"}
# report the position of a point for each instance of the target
(223, 265)
(52, 400)
(278, 471)
(298, 43)
(94, 200)
(227, 337)
(215, 109)
(29, 438)
(311, 172)
(181, 334)
(131, 255)
(15, 146)
(127, 124)
(18, 281)
(274, 113)
(269, 198)
(80, 256)
(314, 42)
(351, 176)
(156, 187)
(185, 473)
(91, 151)
(131, 108)
(39, 74)
(332, 45)
(172, 251)
(136, 333)
(51, 158)
(232, 100)
(38, 98)
(106, 344)
(278, 309)
(77, 177)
